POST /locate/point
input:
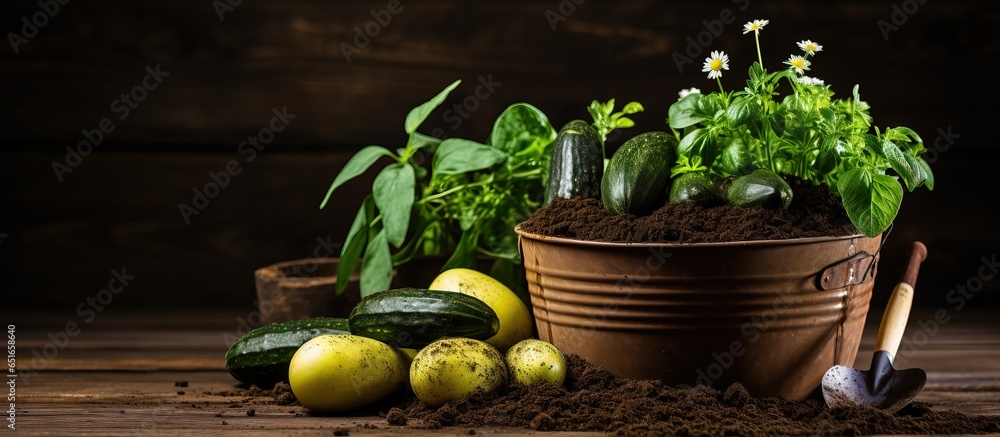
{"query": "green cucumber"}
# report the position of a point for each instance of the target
(416, 317)
(577, 163)
(262, 355)
(638, 174)
(696, 187)
(760, 189)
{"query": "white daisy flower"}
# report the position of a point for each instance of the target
(715, 64)
(799, 63)
(754, 26)
(810, 47)
(684, 93)
(806, 80)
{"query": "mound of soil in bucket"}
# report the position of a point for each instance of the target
(814, 212)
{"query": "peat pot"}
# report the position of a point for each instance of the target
(303, 288)
(773, 315)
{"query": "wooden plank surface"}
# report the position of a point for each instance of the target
(119, 377)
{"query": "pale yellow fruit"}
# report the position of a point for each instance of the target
(534, 361)
(341, 372)
(456, 368)
(516, 323)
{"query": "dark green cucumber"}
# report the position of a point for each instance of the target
(415, 317)
(261, 356)
(638, 174)
(577, 163)
(761, 189)
(695, 187)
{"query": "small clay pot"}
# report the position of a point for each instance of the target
(304, 288)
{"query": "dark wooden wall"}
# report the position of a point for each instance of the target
(926, 66)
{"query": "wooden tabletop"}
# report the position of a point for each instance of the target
(162, 373)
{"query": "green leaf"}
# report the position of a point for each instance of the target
(871, 200)
(417, 115)
(393, 191)
(682, 113)
(904, 164)
(464, 255)
(421, 141)
(456, 156)
(741, 110)
(519, 127)
(376, 271)
(701, 143)
(356, 239)
(624, 122)
(412, 247)
(928, 174)
(358, 164)
(632, 108)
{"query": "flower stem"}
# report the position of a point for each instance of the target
(756, 38)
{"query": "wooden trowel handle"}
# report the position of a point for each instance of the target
(897, 311)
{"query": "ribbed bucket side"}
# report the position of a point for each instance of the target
(714, 314)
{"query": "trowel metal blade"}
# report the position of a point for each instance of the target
(843, 385)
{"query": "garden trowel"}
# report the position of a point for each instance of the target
(882, 386)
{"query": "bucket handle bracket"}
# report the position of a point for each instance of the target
(855, 270)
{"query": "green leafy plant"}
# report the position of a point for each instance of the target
(807, 134)
(465, 204)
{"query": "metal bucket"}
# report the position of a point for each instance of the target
(773, 315)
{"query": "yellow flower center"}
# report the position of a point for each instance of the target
(810, 48)
(716, 64)
(798, 63)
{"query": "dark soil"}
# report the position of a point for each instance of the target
(814, 212)
(592, 399)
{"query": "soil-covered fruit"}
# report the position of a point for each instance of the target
(638, 174)
(342, 372)
(414, 317)
(761, 189)
(516, 323)
(456, 368)
(261, 356)
(577, 163)
(535, 361)
(695, 187)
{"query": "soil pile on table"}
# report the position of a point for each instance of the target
(592, 399)
(814, 212)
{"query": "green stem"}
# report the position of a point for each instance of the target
(756, 38)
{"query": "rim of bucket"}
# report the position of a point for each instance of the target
(787, 241)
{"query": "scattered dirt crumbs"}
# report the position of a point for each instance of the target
(180, 384)
(341, 432)
(814, 212)
(592, 399)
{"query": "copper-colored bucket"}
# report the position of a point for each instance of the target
(773, 315)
